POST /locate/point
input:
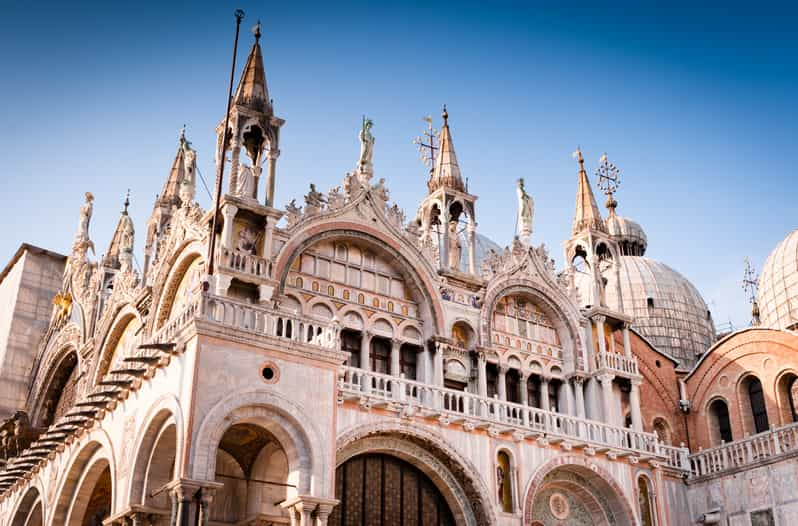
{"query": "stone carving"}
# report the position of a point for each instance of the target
(335, 199)
(352, 186)
(559, 507)
(293, 213)
(247, 241)
(364, 164)
(455, 247)
(526, 211)
(381, 192)
(82, 240)
(396, 216)
(314, 201)
(62, 308)
(245, 182)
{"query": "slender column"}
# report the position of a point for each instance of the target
(472, 250)
(606, 397)
(634, 402)
(602, 345)
(627, 344)
(580, 396)
(271, 172)
(174, 508)
(229, 212)
(598, 297)
(323, 514)
(395, 350)
(482, 374)
(590, 359)
(437, 365)
(206, 497)
(502, 387)
(268, 237)
(444, 248)
(544, 393)
(182, 497)
(365, 344)
(304, 510)
(235, 156)
(523, 387)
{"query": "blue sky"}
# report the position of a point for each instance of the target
(694, 104)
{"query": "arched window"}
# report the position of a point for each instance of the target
(787, 387)
(719, 424)
(350, 343)
(504, 485)
(645, 501)
(758, 409)
(663, 431)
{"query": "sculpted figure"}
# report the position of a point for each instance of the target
(293, 213)
(454, 246)
(335, 199)
(526, 211)
(245, 184)
(380, 192)
(366, 147)
(314, 200)
(247, 241)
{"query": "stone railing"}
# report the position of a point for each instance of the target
(765, 446)
(251, 318)
(676, 457)
(243, 263)
(355, 383)
(616, 362)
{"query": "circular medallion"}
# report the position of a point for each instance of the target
(723, 381)
(559, 507)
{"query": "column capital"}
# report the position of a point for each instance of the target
(273, 154)
(503, 368)
(599, 318)
(229, 210)
(605, 377)
(636, 381)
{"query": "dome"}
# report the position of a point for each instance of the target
(778, 286)
(629, 234)
(667, 308)
(482, 245)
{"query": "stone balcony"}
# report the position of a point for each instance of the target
(473, 411)
(244, 265)
(777, 444)
(616, 363)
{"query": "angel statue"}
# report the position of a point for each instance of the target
(526, 211)
(366, 149)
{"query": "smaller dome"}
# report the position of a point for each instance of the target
(778, 286)
(629, 234)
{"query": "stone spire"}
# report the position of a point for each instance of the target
(182, 168)
(587, 215)
(252, 91)
(120, 251)
(447, 172)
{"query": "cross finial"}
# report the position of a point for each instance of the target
(750, 286)
(609, 179)
(578, 156)
(127, 201)
(445, 116)
(183, 133)
(256, 31)
(426, 143)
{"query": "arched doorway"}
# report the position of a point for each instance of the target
(719, 423)
(253, 467)
(381, 489)
(577, 494)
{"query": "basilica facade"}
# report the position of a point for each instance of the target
(337, 362)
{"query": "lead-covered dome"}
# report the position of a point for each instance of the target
(667, 309)
(778, 286)
(629, 234)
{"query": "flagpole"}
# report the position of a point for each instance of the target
(239, 14)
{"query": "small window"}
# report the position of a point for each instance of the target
(341, 252)
(361, 299)
(390, 306)
(315, 286)
(504, 488)
(650, 302)
(330, 290)
(298, 282)
(346, 295)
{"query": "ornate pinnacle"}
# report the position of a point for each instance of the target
(608, 181)
(127, 201)
(256, 31)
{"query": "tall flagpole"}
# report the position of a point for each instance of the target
(239, 14)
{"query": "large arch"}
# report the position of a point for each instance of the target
(30, 511)
(417, 269)
(118, 329)
(168, 281)
(58, 388)
(586, 483)
(288, 423)
(459, 481)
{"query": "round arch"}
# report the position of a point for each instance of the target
(30, 510)
(160, 440)
(283, 419)
(458, 480)
(562, 314)
(416, 268)
(165, 288)
(587, 480)
(53, 392)
(786, 388)
(110, 340)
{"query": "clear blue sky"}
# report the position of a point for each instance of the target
(695, 105)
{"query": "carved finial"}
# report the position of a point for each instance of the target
(256, 31)
(750, 286)
(183, 134)
(578, 156)
(608, 181)
(127, 201)
(445, 115)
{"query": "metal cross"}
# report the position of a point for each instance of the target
(609, 176)
(750, 281)
(427, 149)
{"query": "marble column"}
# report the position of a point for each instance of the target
(602, 344)
(472, 249)
(502, 382)
(437, 365)
(590, 359)
(579, 394)
(444, 239)
(482, 374)
(634, 403)
(365, 344)
(544, 393)
(229, 213)
(271, 174)
(627, 344)
(396, 347)
(606, 397)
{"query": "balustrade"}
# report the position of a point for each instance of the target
(740, 453)
(244, 263)
(616, 362)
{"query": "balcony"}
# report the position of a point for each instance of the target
(254, 319)
(726, 458)
(617, 363)
(471, 409)
(245, 265)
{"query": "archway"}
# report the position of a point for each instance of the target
(787, 390)
(753, 406)
(61, 389)
(86, 497)
(254, 470)
(155, 463)
(29, 512)
(576, 492)
(379, 488)
(720, 430)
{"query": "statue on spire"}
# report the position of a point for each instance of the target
(526, 212)
(82, 240)
(364, 164)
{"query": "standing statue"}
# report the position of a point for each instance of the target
(365, 167)
(314, 200)
(245, 182)
(526, 211)
(82, 242)
(126, 247)
(187, 192)
(454, 246)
